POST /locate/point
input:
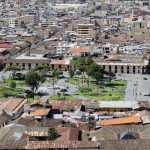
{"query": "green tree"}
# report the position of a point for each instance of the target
(42, 70)
(82, 65)
(52, 134)
(57, 73)
(5, 94)
(13, 85)
(63, 90)
(96, 72)
(34, 80)
(14, 68)
(58, 94)
(71, 72)
(111, 75)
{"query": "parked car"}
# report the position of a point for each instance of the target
(146, 94)
(145, 78)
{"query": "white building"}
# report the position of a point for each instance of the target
(14, 22)
(63, 47)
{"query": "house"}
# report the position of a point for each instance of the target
(116, 137)
(124, 64)
(29, 61)
(119, 106)
(13, 107)
(125, 120)
(69, 145)
(41, 113)
(77, 52)
(5, 119)
(114, 20)
(64, 105)
(60, 64)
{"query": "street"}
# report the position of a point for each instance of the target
(137, 87)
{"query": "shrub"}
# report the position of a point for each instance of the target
(5, 94)
(85, 89)
(52, 134)
(13, 85)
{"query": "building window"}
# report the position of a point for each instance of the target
(143, 70)
(23, 65)
(29, 65)
(53, 66)
(133, 69)
(110, 68)
(122, 69)
(59, 66)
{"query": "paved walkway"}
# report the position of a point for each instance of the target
(137, 87)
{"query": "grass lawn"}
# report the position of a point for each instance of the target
(109, 91)
(11, 92)
(67, 97)
(77, 80)
(51, 80)
(16, 93)
(19, 83)
(74, 80)
(30, 100)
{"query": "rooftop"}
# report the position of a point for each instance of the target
(78, 50)
(125, 120)
(41, 112)
(31, 57)
(119, 104)
(60, 62)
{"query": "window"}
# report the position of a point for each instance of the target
(59, 66)
(133, 69)
(52, 66)
(109, 68)
(29, 65)
(115, 69)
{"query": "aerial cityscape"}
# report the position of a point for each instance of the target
(74, 74)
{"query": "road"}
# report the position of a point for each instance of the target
(137, 86)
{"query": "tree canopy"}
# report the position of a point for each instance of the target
(96, 72)
(34, 80)
(52, 134)
(14, 68)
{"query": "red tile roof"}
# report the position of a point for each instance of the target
(14, 104)
(41, 112)
(78, 50)
(69, 135)
(5, 45)
(60, 144)
(125, 120)
(59, 62)
(64, 105)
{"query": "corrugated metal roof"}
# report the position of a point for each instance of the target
(119, 104)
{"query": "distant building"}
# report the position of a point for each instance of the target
(127, 64)
(29, 61)
(60, 64)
